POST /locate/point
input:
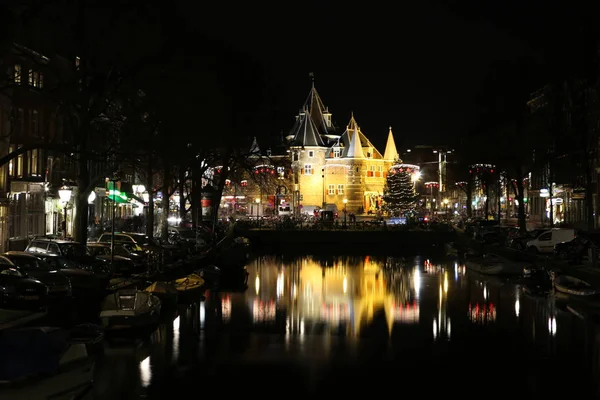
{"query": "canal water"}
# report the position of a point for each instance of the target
(354, 325)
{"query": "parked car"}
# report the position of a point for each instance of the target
(162, 253)
(519, 240)
(578, 249)
(59, 285)
(188, 238)
(545, 242)
(126, 262)
(66, 255)
(19, 291)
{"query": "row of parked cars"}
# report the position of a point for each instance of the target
(563, 243)
(52, 269)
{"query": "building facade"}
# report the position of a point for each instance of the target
(333, 169)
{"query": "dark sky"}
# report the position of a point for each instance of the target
(417, 66)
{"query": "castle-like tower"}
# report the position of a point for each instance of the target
(329, 167)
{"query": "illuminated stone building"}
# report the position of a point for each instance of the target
(329, 165)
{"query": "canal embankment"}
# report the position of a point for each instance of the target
(391, 240)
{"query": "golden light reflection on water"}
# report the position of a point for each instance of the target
(343, 294)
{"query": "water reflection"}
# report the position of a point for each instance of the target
(347, 308)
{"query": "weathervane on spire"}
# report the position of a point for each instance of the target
(312, 78)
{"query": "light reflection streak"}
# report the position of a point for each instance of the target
(280, 285)
(226, 309)
(417, 281)
(145, 372)
(552, 326)
(202, 315)
(176, 331)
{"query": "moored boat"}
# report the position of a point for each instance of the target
(189, 287)
(165, 291)
(573, 286)
(45, 363)
(493, 264)
(126, 309)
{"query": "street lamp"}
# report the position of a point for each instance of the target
(446, 201)
(345, 202)
(65, 196)
(113, 193)
(257, 201)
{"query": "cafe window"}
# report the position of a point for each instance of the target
(331, 189)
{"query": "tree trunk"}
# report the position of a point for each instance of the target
(81, 202)
(520, 195)
(487, 200)
(150, 189)
(589, 198)
(195, 198)
(499, 196)
(182, 197)
(166, 186)
(470, 197)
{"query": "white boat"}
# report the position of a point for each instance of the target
(50, 365)
(573, 286)
(493, 264)
(130, 308)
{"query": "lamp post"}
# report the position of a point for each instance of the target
(345, 211)
(257, 201)
(65, 195)
(113, 181)
(323, 190)
(446, 206)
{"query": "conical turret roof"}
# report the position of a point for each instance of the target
(390, 153)
(305, 132)
(355, 147)
(317, 109)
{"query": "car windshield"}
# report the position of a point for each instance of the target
(139, 238)
(74, 249)
(9, 270)
(29, 263)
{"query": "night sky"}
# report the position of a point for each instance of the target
(417, 66)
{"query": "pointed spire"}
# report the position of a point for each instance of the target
(355, 148)
(352, 125)
(254, 149)
(390, 154)
(312, 79)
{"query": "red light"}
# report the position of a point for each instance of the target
(492, 171)
(256, 171)
(470, 171)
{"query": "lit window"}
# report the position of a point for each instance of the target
(244, 183)
(34, 162)
(17, 74)
(336, 152)
(311, 154)
(308, 169)
(77, 62)
(331, 189)
(36, 79)
(379, 168)
(340, 189)
(11, 165)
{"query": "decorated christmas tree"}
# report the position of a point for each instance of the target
(399, 194)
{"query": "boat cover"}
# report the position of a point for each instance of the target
(30, 351)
